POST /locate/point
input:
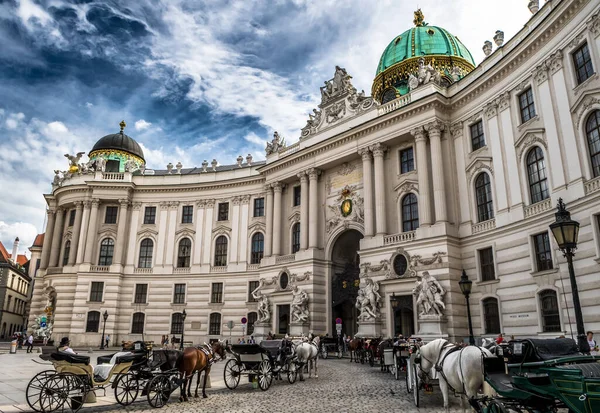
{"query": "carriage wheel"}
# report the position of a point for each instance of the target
(495, 406)
(324, 353)
(159, 391)
(34, 389)
(415, 385)
(340, 352)
(63, 392)
(396, 368)
(127, 387)
(265, 375)
(292, 371)
(232, 373)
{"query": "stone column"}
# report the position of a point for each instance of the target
(121, 227)
(85, 222)
(365, 154)
(303, 210)
(57, 237)
(132, 239)
(244, 216)
(380, 219)
(76, 232)
(162, 233)
(313, 208)
(437, 166)
(277, 188)
(235, 230)
(170, 241)
(209, 210)
(91, 232)
(269, 230)
(196, 256)
(45, 258)
(423, 176)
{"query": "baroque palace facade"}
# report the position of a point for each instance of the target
(448, 166)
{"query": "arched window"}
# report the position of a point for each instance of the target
(296, 237)
(592, 131)
(252, 317)
(214, 328)
(410, 213)
(536, 173)
(107, 249)
(549, 311)
(491, 316)
(176, 323)
(66, 252)
(93, 322)
(221, 251)
(388, 95)
(483, 195)
(184, 252)
(146, 249)
(137, 325)
(258, 248)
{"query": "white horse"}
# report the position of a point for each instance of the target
(307, 352)
(459, 369)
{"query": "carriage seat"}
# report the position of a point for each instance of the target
(589, 370)
(101, 371)
(272, 346)
(533, 350)
(495, 374)
(70, 358)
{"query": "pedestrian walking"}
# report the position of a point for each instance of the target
(592, 343)
(30, 343)
(107, 340)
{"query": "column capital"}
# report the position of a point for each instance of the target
(78, 204)
(173, 205)
(540, 73)
(201, 204)
(277, 186)
(503, 101)
(365, 154)
(456, 129)
(245, 199)
(50, 211)
(302, 176)
(210, 203)
(435, 128)
(124, 203)
(136, 205)
(555, 61)
(87, 204)
(378, 149)
(236, 200)
(490, 110)
(313, 173)
(419, 133)
(59, 210)
(95, 202)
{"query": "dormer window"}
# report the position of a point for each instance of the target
(112, 166)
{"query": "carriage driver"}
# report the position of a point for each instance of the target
(65, 345)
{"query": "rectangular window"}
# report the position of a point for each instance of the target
(297, 195)
(259, 207)
(93, 322)
(137, 325)
(486, 264)
(216, 295)
(526, 105)
(407, 160)
(214, 328)
(141, 293)
(477, 137)
(583, 63)
(543, 255)
(223, 211)
(187, 216)
(72, 218)
(97, 291)
(179, 294)
(252, 285)
(150, 215)
(111, 215)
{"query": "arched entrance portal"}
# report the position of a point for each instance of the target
(345, 280)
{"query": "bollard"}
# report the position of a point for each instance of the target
(13, 347)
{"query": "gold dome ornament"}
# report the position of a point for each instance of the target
(122, 125)
(419, 19)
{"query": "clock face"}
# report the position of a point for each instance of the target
(346, 207)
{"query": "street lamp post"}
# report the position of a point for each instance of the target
(566, 231)
(183, 316)
(105, 316)
(465, 286)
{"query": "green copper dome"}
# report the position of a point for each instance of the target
(421, 49)
(422, 41)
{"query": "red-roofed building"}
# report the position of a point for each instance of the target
(15, 291)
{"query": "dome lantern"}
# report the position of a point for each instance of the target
(439, 49)
(120, 152)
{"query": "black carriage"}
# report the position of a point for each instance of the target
(331, 345)
(261, 363)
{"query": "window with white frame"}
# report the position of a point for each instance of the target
(592, 132)
(543, 253)
(486, 264)
(483, 196)
(146, 250)
(536, 175)
(583, 63)
(549, 311)
(491, 316)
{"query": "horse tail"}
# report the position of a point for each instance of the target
(179, 362)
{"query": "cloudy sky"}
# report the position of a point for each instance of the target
(194, 80)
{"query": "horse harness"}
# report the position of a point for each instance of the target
(210, 355)
(439, 366)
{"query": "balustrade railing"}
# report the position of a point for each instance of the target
(538, 208)
(483, 226)
(99, 268)
(218, 269)
(253, 267)
(592, 185)
(399, 238)
(142, 270)
(285, 258)
(394, 104)
(181, 270)
(113, 176)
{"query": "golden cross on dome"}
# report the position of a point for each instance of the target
(419, 18)
(122, 125)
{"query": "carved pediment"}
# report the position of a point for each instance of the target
(528, 139)
(221, 230)
(185, 231)
(147, 232)
(102, 232)
(405, 187)
(587, 101)
(479, 164)
(294, 216)
(256, 226)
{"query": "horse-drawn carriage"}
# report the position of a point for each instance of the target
(331, 345)
(73, 380)
(263, 362)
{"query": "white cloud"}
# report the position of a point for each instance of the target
(255, 139)
(142, 124)
(29, 11)
(89, 104)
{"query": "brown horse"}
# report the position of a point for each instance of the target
(198, 359)
(355, 346)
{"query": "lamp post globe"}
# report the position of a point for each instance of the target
(566, 232)
(183, 316)
(105, 317)
(465, 287)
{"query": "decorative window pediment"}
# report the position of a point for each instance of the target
(480, 163)
(147, 232)
(256, 226)
(528, 139)
(406, 187)
(294, 217)
(185, 232)
(584, 105)
(107, 231)
(221, 230)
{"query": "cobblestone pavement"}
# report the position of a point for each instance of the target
(341, 387)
